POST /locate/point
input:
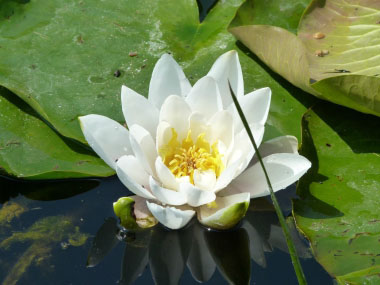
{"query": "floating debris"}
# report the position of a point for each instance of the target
(321, 53)
(318, 35)
(342, 71)
(117, 73)
(133, 53)
(64, 245)
(338, 71)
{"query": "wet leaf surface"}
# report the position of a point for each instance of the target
(338, 210)
(63, 61)
(31, 149)
(334, 56)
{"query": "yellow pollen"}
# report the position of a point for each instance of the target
(183, 158)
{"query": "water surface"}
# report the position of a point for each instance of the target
(47, 233)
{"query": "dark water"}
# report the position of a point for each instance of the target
(47, 233)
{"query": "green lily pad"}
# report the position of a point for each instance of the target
(281, 13)
(367, 276)
(62, 61)
(31, 149)
(334, 56)
(339, 206)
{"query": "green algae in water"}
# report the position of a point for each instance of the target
(43, 235)
(10, 211)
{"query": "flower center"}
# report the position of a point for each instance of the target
(183, 158)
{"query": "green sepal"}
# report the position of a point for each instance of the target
(124, 210)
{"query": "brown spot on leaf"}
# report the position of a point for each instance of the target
(318, 35)
(82, 162)
(321, 53)
(366, 254)
(10, 143)
(80, 39)
(356, 236)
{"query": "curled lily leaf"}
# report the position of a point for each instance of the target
(133, 213)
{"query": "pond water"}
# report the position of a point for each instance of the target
(65, 232)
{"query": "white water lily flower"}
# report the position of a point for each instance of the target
(187, 151)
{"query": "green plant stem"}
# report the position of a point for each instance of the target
(293, 254)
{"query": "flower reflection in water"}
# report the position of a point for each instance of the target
(202, 250)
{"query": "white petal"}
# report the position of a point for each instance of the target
(167, 79)
(243, 144)
(204, 180)
(138, 110)
(255, 106)
(284, 144)
(235, 205)
(221, 128)
(204, 97)
(123, 170)
(283, 170)
(133, 168)
(229, 173)
(165, 175)
(195, 196)
(227, 69)
(171, 217)
(197, 125)
(167, 196)
(183, 179)
(108, 138)
(144, 217)
(176, 112)
(164, 134)
(143, 147)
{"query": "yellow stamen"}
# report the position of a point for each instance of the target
(183, 158)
